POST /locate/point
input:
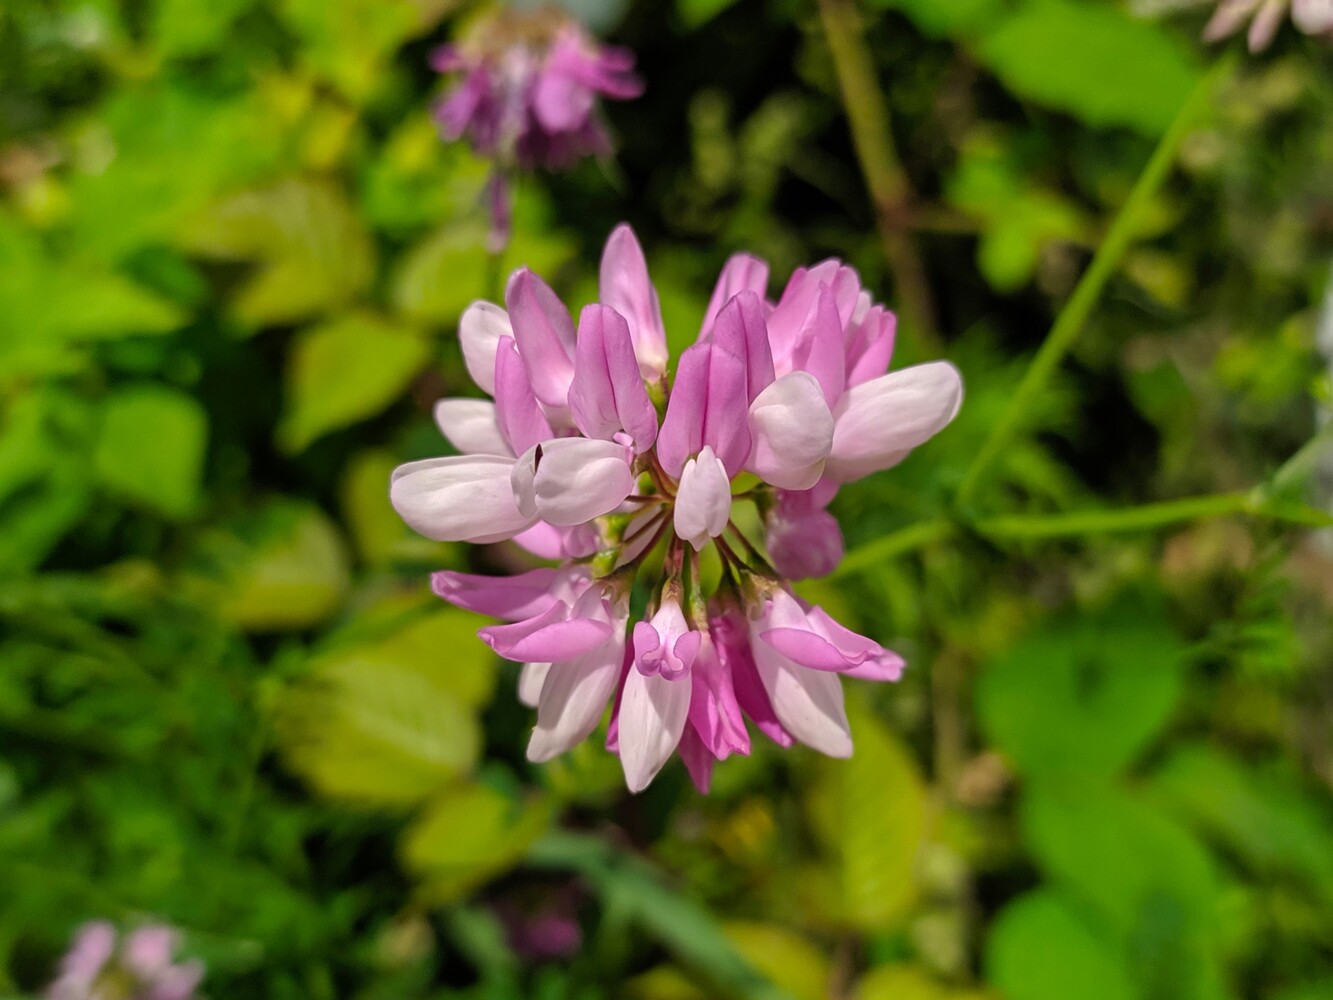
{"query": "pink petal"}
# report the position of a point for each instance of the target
(553, 636)
(512, 598)
(607, 395)
(479, 333)
(575, 694)
(703, 499)
(626, 288)
(518, 414)
(467, 498)
(530, 681)
(652, 718)
(545, 336)
(698, 761)
(741, 273)
(792, 432)
(878, 422)
(807, 702)
(819, 347)
(707, 407)
(471, 426)
(715, 714)
(568, 481)
(741, 330)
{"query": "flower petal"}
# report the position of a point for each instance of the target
(878, 422)
(703, 499)
(792, 432)
(545, 336)
(467, 498)
(652, 714)
(707, 407)
(512, 598)
(807, 702)
(741, 330)
(568, 481)
(479, 333)
(575, 696)
(471, 426)
(741, 273)
(554, 636)
(607, 395)
(530, 681)
(517, 412)
(626, 288)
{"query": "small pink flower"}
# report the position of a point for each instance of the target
(525, 95)
(142, 969)
(568, 459)
(1313, 17)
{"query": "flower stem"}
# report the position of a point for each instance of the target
(1069, 323)
(890, 190)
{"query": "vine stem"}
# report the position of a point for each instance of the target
(1069, 323)
(1074, 524)
(890, 190)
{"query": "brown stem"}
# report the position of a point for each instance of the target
(890, 190)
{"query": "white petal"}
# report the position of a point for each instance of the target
(792, 430)
(878, 422)
(479, 333)
(568, 481)
(807, 702)
(703, 500)
(466, 498)
(471, 426)
(573, 699)
(652, 718)
(530, 681)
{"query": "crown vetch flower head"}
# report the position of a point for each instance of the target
(140, 967)
(591, 452)
(524, 94)
(1313, 17)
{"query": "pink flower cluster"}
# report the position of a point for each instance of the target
(142, 968)
(526, 93)
(591, 453)
(1313, 17)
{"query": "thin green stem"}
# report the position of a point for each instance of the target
(890, 189)
(894, 544)
(1126, 225)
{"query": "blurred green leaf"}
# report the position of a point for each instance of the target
(695, 13)
(783, 956)
(151, 447)
(313, 251)
(392, 720)
(190, 27)
(870, 815)
(344, 371)
(1093, 60)
(468, 834)
(1086, 692)
(440, 276)
(909, 982)
(280, 567)
(956, 18)
(1263, 816)
(1039, 948)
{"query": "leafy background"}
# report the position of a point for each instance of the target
(232, 257)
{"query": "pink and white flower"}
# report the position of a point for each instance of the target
(526, 84)
(789, 399)
(141, 966)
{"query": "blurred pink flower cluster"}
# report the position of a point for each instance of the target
(525, 95)
(1313, 17)
(592, 453)
(99, 966)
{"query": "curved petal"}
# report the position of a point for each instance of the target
(530, 681)
(653, 711)
(553, 636)
(626, 288)
(471, 426)
(607, 395)
(703, 500)
(741, 273)
(792, 432)
(877, 423)
(574, 697)
(467, 498)
(479, 333)
(807, 702)
(517, 412)
(568, 481)
(512, 598)
(545, 336)
(707, 407)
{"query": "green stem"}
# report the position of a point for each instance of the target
(1068, 325)
(686, 929)
(890, 189)
(894, 544)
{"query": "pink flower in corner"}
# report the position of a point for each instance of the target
(569, 459)
(1313, 17)
(525, 90)
(143, 967)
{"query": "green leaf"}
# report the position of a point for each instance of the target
(151, 447)
(1093, 60)
(280, 567)
(469, 834)
(391, 720)
(956, 18)
(1040, 949)
(908, 982)
(440, 276)
(1087, 692)
(345, 371)
(784, 957)
(314, 252)
(870, 814)
(1263, 816)
(191, 27)
(696, 13)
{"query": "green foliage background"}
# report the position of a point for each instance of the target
(232, 257)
